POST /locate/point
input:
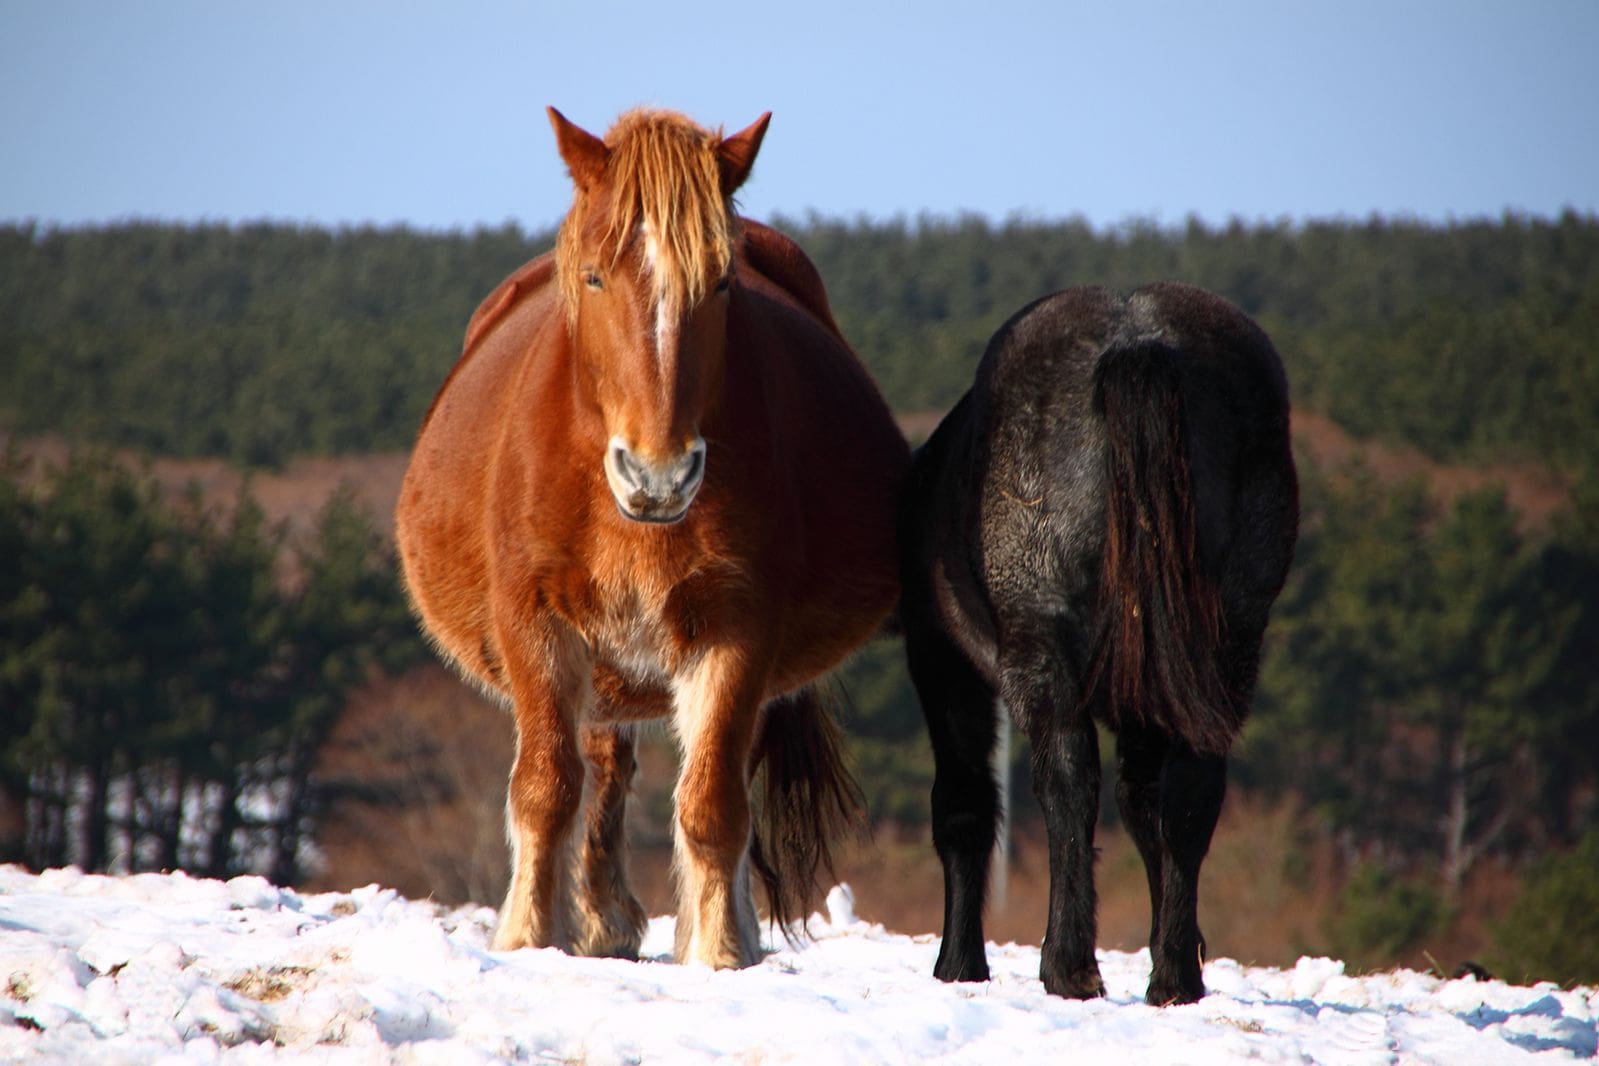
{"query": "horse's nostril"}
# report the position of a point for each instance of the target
(626, 466)
(696, 466)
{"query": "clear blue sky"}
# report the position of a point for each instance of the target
(352, 111)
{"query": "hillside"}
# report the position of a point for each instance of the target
(1417, 774)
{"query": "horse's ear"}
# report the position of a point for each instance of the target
(584, 153)
(737, 154)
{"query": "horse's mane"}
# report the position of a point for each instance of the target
(663, 173)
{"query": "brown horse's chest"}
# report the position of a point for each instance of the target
(630, 637)
(643, 614)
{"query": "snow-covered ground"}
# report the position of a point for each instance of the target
(167, 968)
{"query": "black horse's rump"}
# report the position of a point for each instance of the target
(1097, 531)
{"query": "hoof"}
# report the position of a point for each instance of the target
(1173, 985)
(510, 940)
(615, 935)
(623, 951)
(1084, 985)
(967, 969)
(1173, 994)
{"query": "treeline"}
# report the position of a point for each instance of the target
(1473, 340)
(1429, 686)
(169, 670)
(1430, 696)
(256, 343)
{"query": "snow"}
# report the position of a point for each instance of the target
(165, 968)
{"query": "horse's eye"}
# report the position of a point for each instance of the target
(592, 279)
(722, 285)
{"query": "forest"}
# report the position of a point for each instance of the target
(174, 668)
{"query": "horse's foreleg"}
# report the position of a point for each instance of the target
(611, 921)
(546, 790)
(959, 707)
(717, 705)
(1065, 760)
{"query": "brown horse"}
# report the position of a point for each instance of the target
(657, 484)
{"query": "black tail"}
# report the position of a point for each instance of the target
(1160, 622)
(807, 799)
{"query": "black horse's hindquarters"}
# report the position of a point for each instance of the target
(1098, 530)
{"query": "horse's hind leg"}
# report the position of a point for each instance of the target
(1065, 752)
(959, 707)
(1139, 756)
(1170, 799)
(610, 919)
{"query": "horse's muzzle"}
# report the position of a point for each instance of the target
(658, 491)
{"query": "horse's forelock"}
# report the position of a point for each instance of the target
(663, 177)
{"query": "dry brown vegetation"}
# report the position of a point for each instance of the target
(416, 773)
(295, 493)
(1534, 491)
(292, 495)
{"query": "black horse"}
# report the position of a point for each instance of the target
(1097, 532)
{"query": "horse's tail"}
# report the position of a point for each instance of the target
(1161, 625)
(806, 800)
